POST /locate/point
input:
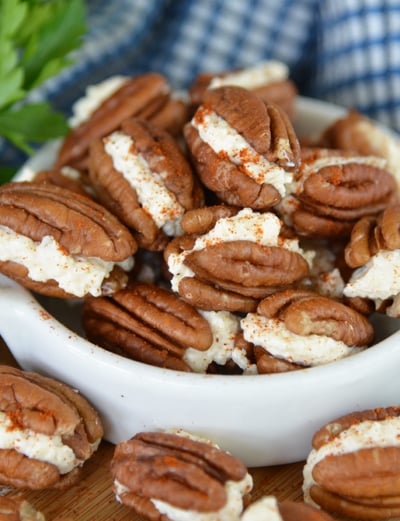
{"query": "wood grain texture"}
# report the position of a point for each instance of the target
(93, 500)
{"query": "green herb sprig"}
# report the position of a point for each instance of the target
(36, 40)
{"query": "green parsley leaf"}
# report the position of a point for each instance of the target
(47, 50)
(35, 122)
(37, 38)
(6, 173)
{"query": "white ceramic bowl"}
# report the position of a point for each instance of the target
(262, 419)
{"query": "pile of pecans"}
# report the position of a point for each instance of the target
(202, 234)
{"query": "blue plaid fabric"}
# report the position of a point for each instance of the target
(343, 51)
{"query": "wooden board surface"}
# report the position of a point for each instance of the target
(93, 499)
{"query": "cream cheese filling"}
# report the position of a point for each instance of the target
(364, 435)
(49, 449)
(309, 350)
(47, 260)
(224, 326)
(379, 278)
(224, 139)
(264, 509)
(252, 77)
(151, 191)
(94, 96)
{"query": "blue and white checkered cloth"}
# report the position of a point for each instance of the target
(343, 51)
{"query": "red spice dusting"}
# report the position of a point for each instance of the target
(223, 155)
(16, 418)
(170, 461)
(44, 314)
(247, 156)
(201, 113)
(336, 176)
(62, 249)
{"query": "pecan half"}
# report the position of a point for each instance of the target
(141, 175)
(80, 231)
(354, 466)
(306, 313)
(373, 234)
(334, 190)
(248, 268)
(41, 412)
(188, 473)
(140, 96)
(148, 324)
(17, 508)
(263, 151)
(304, 329)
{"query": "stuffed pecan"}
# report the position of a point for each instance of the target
(374, 252)
(147, 96)
(164, 475)
(353, 469)
(243, 150)
(230, 262)
(49, 431)
(301, 329)
(269, 80)
(333, 189)
(148, 324)
(141, 175)
(90, 249)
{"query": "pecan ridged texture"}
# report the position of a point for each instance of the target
(184, 472)
(231, 275)
(144, 96)
(361, 481)
(76, 222)
(334, 190)
(373, 234)
(148, 324)
(35, 405)
(306, 313)
(80, 227)
(255, 174)
(120, 187)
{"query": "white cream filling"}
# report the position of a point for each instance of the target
(151, 191)
(94, 96)
(264, 509)
(378, 279)
(252, 77)
(364, 435)
(47, 260)
(224, 326)
(309, 350)
(49, 449)
(246, 225)
(224, 139)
